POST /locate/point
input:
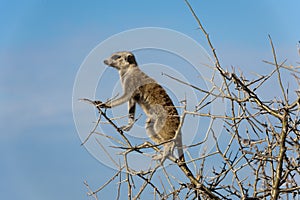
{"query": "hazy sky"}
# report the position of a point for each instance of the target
(42, 45)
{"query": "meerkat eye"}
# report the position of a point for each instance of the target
(115, 57)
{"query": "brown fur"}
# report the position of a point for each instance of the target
(163, 119)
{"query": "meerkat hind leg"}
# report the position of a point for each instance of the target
(167, 147)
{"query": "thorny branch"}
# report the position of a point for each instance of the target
(257, 158)
(273, 152)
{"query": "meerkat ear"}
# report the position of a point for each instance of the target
(131, 59)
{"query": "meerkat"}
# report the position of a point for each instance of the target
(163, 119)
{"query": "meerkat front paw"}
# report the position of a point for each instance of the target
(127, 127)
(100, 104)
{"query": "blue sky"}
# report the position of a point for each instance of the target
(42, 45)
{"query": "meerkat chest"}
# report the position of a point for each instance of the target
(131, 79)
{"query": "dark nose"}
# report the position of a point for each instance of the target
(106, 62)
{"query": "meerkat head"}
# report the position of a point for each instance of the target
(121, 60)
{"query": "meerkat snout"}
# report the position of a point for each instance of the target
(106, 62)
(120, 60)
